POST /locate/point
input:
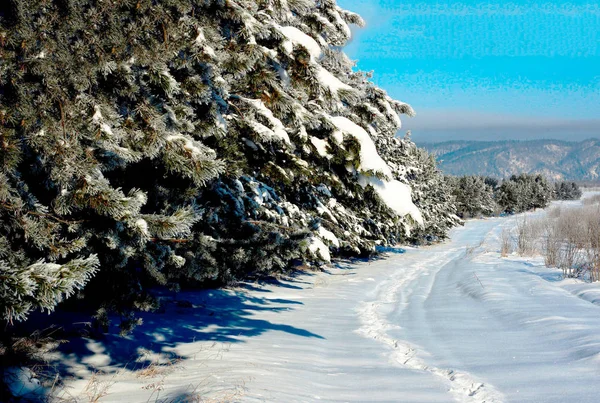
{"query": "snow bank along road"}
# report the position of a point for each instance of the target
(451, 322)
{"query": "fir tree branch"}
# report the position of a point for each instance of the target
(173, 240)
(38, 214)
(165, 35)
(236, 108)
(62, 118)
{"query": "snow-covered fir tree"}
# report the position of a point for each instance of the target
(431, 193)
(473, 195)
(524, 192)
(567, 191)
(190, 141)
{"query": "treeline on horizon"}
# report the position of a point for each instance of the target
(484, 196)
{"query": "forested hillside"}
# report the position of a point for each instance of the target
(558, 160)
(180, 142)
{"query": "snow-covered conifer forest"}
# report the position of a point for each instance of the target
(181, 142)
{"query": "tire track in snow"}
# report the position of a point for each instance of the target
(464, 387)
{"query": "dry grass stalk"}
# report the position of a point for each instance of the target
(97, 387)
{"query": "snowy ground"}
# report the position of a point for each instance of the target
(451, 322)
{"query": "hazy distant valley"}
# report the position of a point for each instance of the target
(553, 158)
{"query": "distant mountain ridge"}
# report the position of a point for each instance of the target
(557, 159)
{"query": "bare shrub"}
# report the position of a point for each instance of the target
(527, 236)
(570, 232)
(554, 212)
(569, 239)
(505, 242)
(591, 200)
(470, 250)
(551, 243)
(521, 236)
(591, 219)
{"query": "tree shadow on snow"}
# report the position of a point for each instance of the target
(550, 276)
(390, 249)
(220, 316)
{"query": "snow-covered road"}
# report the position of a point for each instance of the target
(451, 322)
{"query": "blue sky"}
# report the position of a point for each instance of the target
(481, 70)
